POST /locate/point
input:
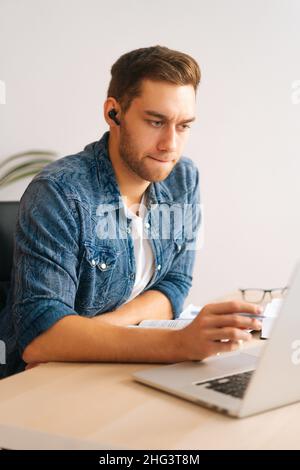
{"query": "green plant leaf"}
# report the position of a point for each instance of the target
(30, 153)
(40, 162)
(17, 174)
(16, 178)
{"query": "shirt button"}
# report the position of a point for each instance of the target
(178, 247)
(132, 276)
(103, 266)
(128, 230)
(159, 267)
(93, 262)
(147, 225)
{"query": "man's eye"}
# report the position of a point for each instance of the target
(186, 126)
(156, 123)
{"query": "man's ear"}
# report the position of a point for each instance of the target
(111, 109)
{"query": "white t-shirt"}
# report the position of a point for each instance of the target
(144, 258)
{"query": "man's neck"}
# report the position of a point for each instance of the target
(131, 186)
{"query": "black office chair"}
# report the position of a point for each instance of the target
(8, 219)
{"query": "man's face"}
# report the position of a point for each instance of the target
(155, 129)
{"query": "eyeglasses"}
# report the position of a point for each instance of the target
(257, 296)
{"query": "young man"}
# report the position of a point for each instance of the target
(106, 238)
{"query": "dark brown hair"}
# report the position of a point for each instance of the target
(155, 63)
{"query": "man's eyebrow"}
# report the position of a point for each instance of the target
(163, 116)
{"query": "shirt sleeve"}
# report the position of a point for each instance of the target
(44, 272)
(178, 280)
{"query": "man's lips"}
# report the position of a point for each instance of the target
(160, 160)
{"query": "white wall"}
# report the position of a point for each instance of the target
(55, 59)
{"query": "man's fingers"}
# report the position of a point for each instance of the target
(234, 320)
(232, 334)
(227, 346)
(234, 306)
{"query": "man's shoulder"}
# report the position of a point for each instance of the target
(71, 172)
(69, 165)
(185, 173)
(187, 164)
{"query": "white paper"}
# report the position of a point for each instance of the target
(271, 311)
(191, 311)
(185, 318)
(178, 323)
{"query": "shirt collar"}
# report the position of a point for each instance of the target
(157, 193)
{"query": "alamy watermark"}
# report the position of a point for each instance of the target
(164, 221)
(2, 352)
(295, 92)
(295, 356)
(2, 92)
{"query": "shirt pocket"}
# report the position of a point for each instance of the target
(96, 277)
(170, 250)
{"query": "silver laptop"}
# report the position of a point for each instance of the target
(244, 382)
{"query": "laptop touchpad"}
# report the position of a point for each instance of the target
(235, 363)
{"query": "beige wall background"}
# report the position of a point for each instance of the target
(55, 59)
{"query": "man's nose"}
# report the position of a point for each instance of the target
(167, 141)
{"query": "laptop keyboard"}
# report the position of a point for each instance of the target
(234, 385)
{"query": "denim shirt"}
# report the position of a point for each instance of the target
(74, 253)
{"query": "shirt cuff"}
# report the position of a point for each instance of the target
(174, 295)
(33, 318)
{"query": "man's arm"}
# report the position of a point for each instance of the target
(46, 253)
(63, 338)
(74, 338)
(150, 305)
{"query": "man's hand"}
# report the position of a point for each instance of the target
(218, 322)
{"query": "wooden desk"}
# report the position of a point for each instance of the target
(100, 405)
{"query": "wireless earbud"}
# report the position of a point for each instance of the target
(112, 114)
